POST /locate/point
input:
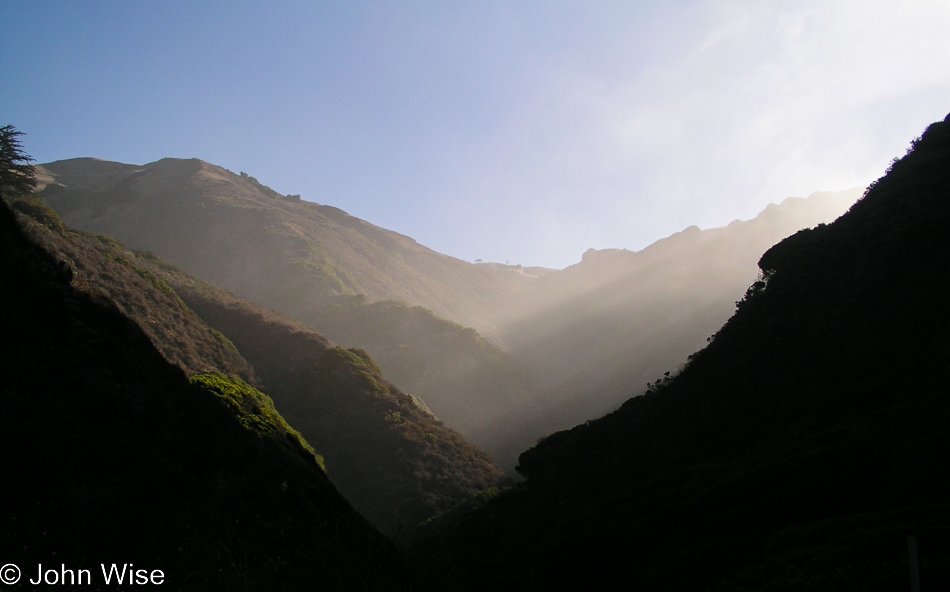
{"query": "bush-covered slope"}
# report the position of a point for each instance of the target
(467, 382)
(796, 451)
(387, 453)
(111, 455)
(103, 266)
(397, 477)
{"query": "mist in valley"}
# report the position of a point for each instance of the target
(600, 331)
(502, 353)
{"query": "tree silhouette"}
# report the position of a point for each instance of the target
(16, 173)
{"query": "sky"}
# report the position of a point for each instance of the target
(522, 132)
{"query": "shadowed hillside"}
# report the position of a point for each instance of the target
(387, 453)
(396, 473)
(113, 456)
(796, 451)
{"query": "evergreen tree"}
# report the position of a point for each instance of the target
(16, 172)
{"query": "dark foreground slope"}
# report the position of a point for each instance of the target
(797, 451)
(111, 455)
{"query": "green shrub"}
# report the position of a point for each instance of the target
(254, 410)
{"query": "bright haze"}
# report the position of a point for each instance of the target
(504, 131)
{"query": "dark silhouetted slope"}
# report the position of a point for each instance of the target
(796, 451)
(111, 455)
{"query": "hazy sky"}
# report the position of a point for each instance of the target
(521, 131)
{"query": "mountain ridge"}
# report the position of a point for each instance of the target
(121, 184)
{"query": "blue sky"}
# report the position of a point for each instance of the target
(506, 131)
